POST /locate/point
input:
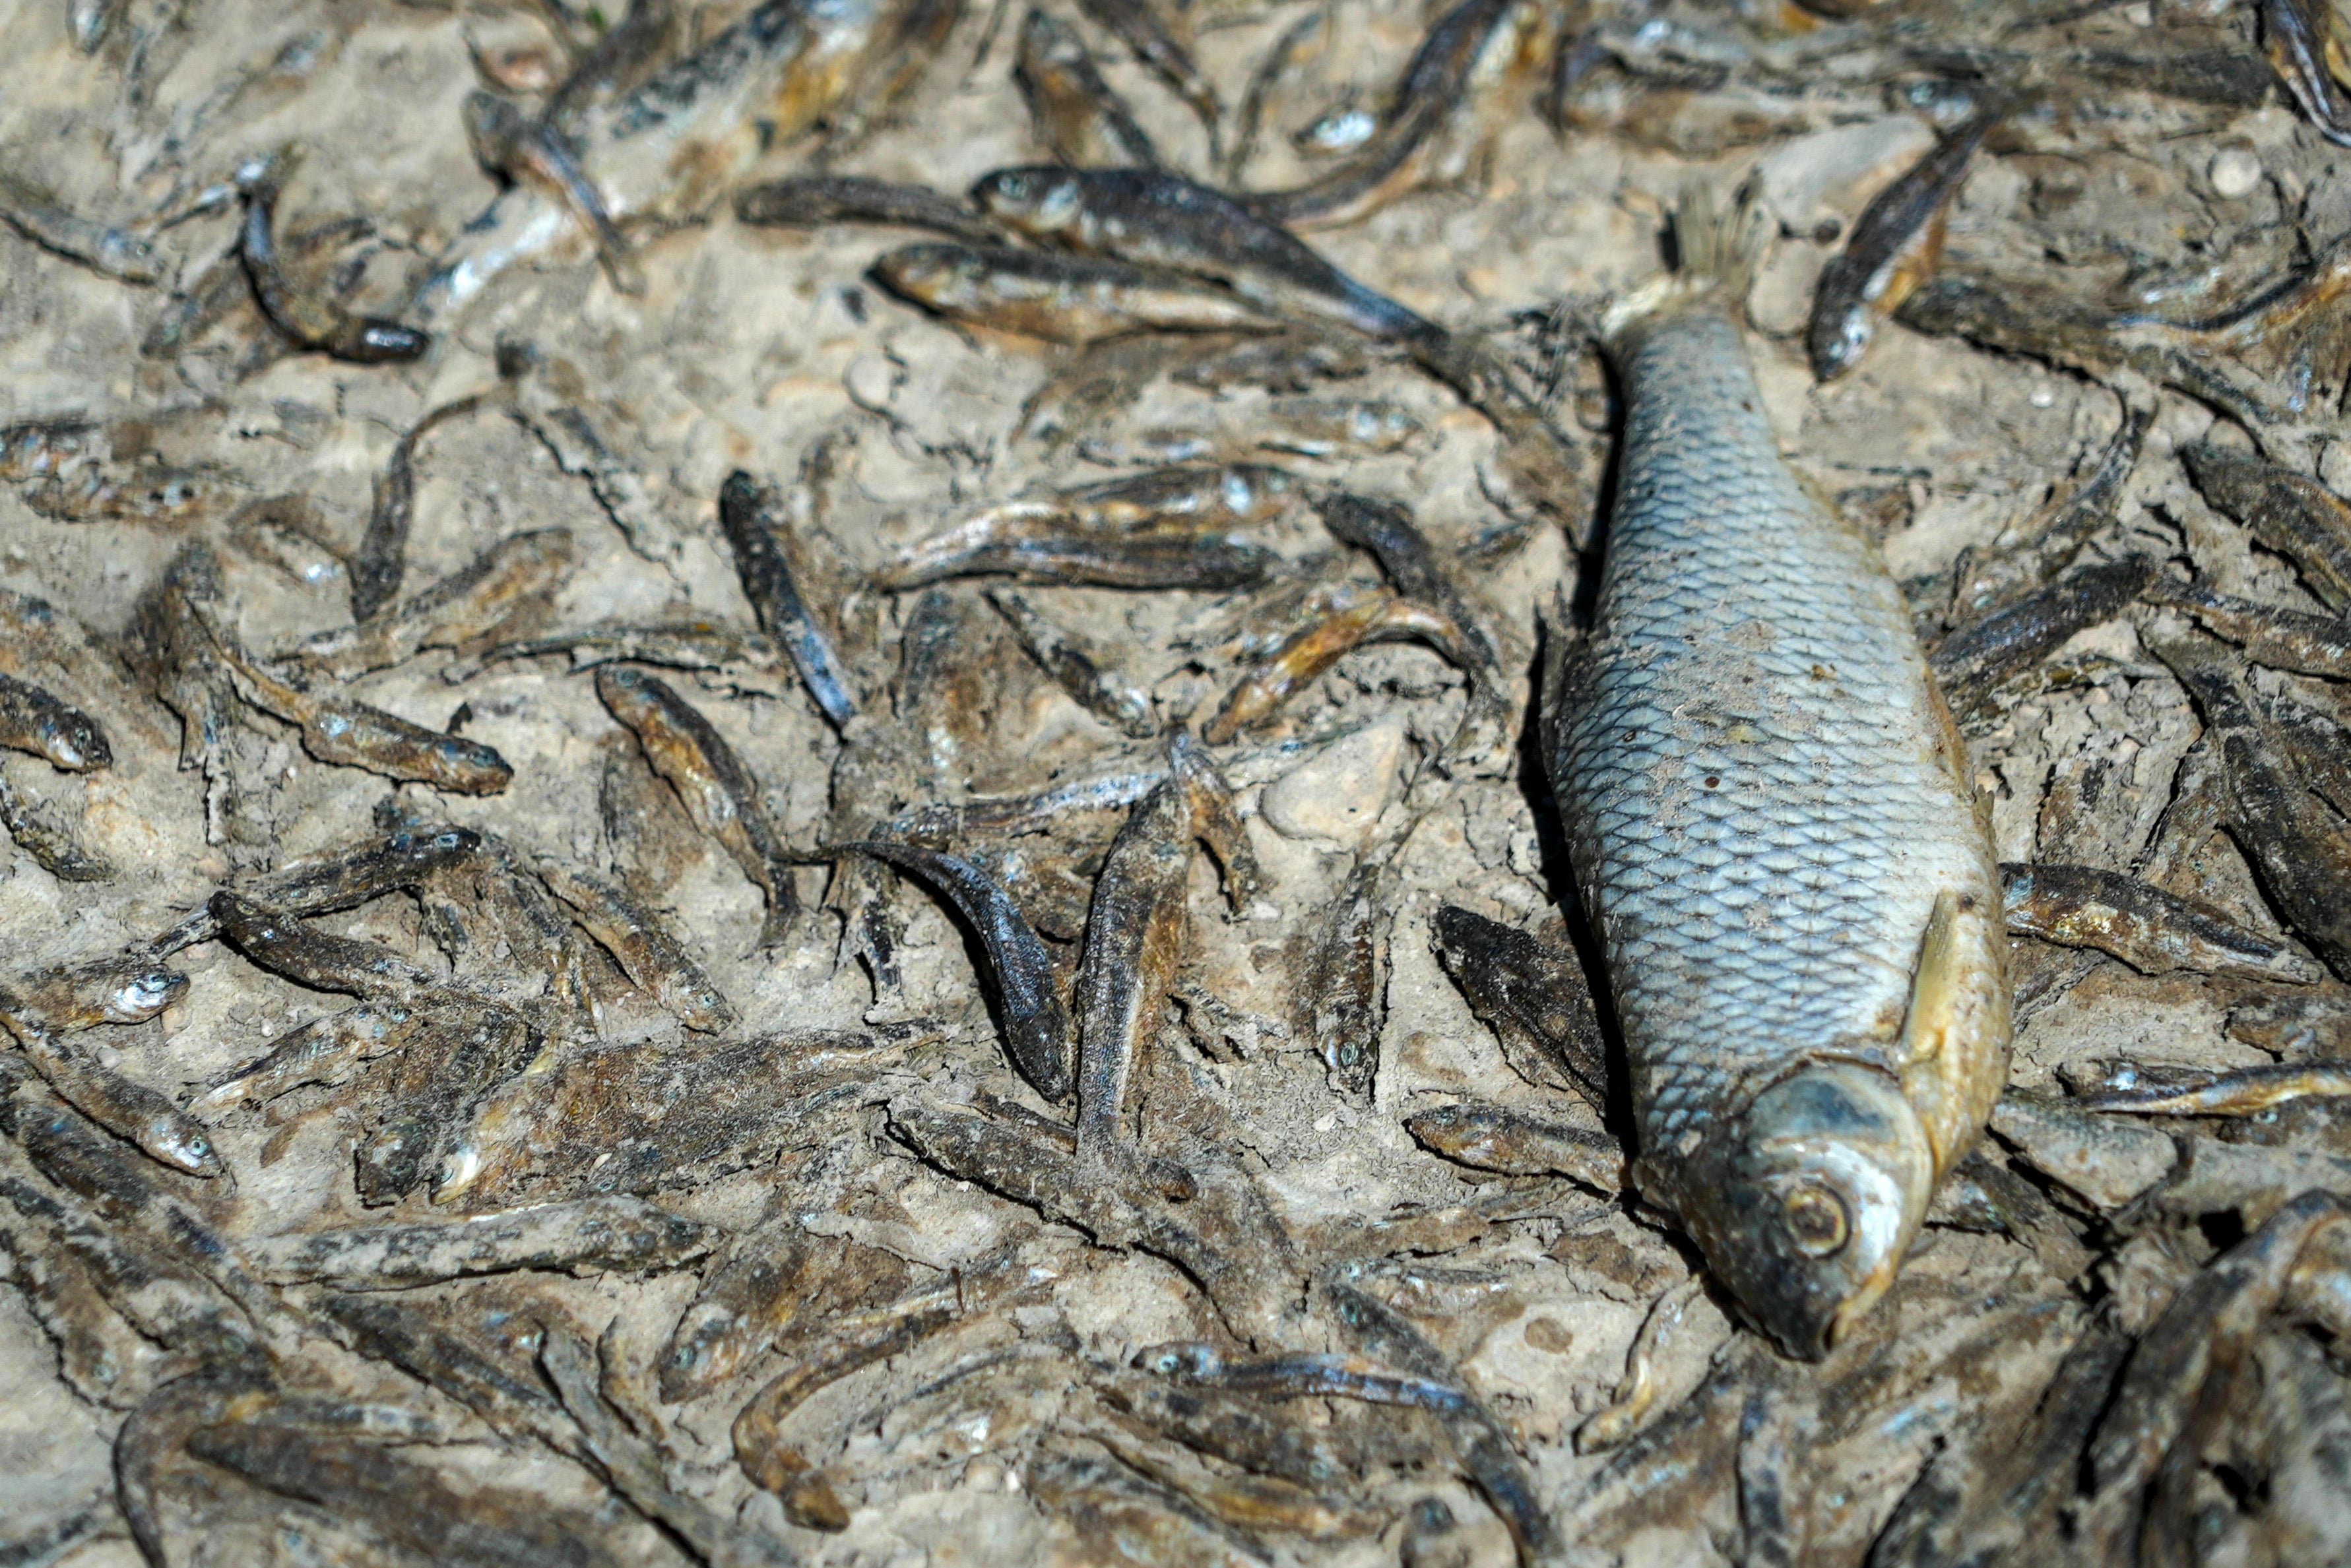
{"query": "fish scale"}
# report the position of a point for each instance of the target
(1756, 775)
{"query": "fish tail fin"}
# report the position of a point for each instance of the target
(1718, 236)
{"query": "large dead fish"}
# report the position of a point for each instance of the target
(1773, 822)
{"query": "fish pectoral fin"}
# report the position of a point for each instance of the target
(1958, 1013)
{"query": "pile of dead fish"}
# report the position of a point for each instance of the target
(546, 1076)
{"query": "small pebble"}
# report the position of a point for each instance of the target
(1338, 793)
(872, 381)
(2234, 172)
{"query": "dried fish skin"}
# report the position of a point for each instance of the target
(821, 200)
(747, 516)
(1798, 1102)
(1258, 697)
(461, 1054)
(651, 957)
(717, 790)
(287, 945)
(1534, 997)
(1041, 547)
(31, 720)
(612, 1234)
(312, 320)
(381, 558)
(1971, 663)
(2151, 929)
(2294, 515)
(1497, 1138)
(1078, 116)
(1062, 299)
(2271, 635)
(1896, 244)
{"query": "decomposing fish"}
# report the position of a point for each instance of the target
(1040, 545)
(1076, 115)
(1972, 663)
(651, 957)
(2244, 1092)
(31, 720)
(2270, 634)
(1462, 69)
(614, 1234)
(821, 200)
(122, 1105)
(2297, 36)
(40, 832)
(1495, 1137)
(2295, 515)
(508, 142)
(1082, 670)
(460, 1054)
(1035, 1023)
(749, 517)
(129, 988)
(548, 396)
(467, 603)
(287, 945)
(337, 880)
(2147, 927)
(1611, 1425)
(1293, 44)
(2047, 542)
(172, 624)
(1532, 994)
(456, 1362)
(40, 217)
(1301, 1375)
(775, 1280)
(1811, 976)
(312, 320)
(324, 1049)
(1063, 300)
(723, 657)
(717, 790)
(1141, 28)
(381, 558)
(1895, 244)
(1304, 659)
(1151, 218)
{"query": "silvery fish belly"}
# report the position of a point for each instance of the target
(1772, 822)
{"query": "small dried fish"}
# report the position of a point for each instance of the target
(1078, 116)
(1041, 547)
(1301, 1375)
(54, 846)
(287, 945)
(2270, 634)
(312, 320)
(2052, 536)
(2296, 516)
(1308, 655)
(1895, 244)
(381, 558)
(323, 1051)
(821, 200)
(651, 957)
(1971, 663)
(464, 605)
(1063, 300)
(2297, 35)
(615, 1234)
(2152, 929)
(2242, 1093)
(1080, 669)
(723, 656)
(1614, 1424)
(749, 517)
(1141, 28)
(717, 790)
(31, 720)
(122, 1105)
(508, 142)
(337, 880)
(128, 988)
(1532, 994)
(460, 1054)
(1495, 1137)
(38, 214)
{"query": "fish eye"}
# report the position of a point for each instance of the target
(1014, 185)
(446, 841)
(1816, 1220)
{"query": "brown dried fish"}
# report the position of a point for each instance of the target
(723, 657)
(1141, 28)
(311, 320)
(1078, 116)
(381, 558)
(1976, 660)
(821, 200)
(751, 522)
(38, 830)
(2149, 927)
(2294, 515)
(325, 1050)
(287, 945)
(1532, 994)
(612, 1234)
(1079, 668)
(1895, 244)
(2270, 634)
(1495, 1137)
(122, 1105)
(459, 1054)
(468, 603)
(651, 957)
(31, 720)
(1310, 653)
(127, 988)
(337, 880)
(1062, 299)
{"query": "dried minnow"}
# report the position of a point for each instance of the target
(1495, 1137)
(2297, 37)
(468, 603)
(2270, 634)
(1532, 994)
(1308, 655)
(2242, 1093)
(1897, 243)
(1973, 661)
(717, 790)
(36, 214)
(1302, 40)
(1469, 55)
(347, 733)
(821, 200)
(173, 623)
(1247, 1502)
(1062, 299)
(2151, 929)
(459, 1053)
(1302, 1375)
(2292, 513)
(651, 957)
(776, 1276)
(549, 397)
(1155, 219)
(2299, 853)
(1041, 546)
(287, 945)
(1610, 1427)
(1035, 1023)
(31, 720)
(1336, 428)
(311, 320)
(122, 1106)
(2052, 536)
(615, 1234)
(129, 988)
(1080, 669)
(321, 1051)
(381, 558)
(721, 656)
(1142, 29)
(1138, 930)
(749, 517)
(40, 833)
(337, 879)
(508, 142)
(1798, 1104)
(1076, 115)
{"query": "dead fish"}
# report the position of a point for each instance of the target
(128, 988)
(1972, 662)
(2298, 853)
(549, 397)
(31, 720)
(90, 21)
(312, 320)
(318, 960)
(2050, 539)
(1063, 300)
(1311, 652)
(1155, 219)
(1080, 669)
(1296, 43)
(615, 1235)
(173, 626)
(122, 1105)
(1302, 1375)
(512, 144)
(1041, 547)
(2270, 634)
(381, 558)
(1245, 1502)
(717, 790)
(1470, 55)
(337, 880)
(511, 1400)
(2245, 1092)
(749, 517)
(2152, 929)
(1799, 1104)
(1177, 507)
(2296, 34)
(324, 1049)
(1078, 116)
(725, 657)
(38, 214)
(39, 831)
(468, 603)
(778, 1280)
(651, 957)
(1333, 427)
(1142, 29)
(1895, 244)
(2296, 516)
(459, 1054)
(1035, 1023)
(1532, 994)
(351, 733)
(822, 201)
(1495, 1137)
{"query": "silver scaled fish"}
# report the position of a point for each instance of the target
(1771, 820)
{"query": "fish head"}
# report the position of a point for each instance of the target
(1807, 1204)
(1039, 201)
(1837, 340)
(77, 742)
(142, 994)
